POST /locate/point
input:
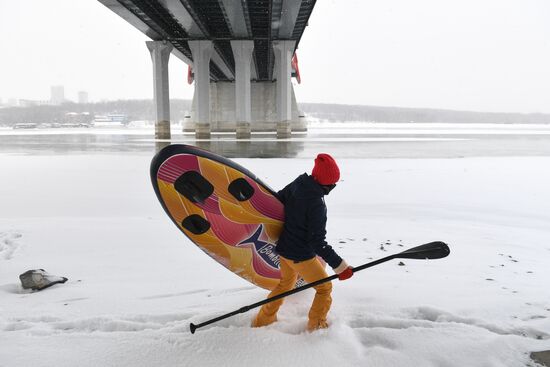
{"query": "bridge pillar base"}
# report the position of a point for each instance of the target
(243, 130)
(202, 130)
(263, 109)
(162, 130)
(284, 130)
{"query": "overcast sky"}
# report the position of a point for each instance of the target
(482, 55)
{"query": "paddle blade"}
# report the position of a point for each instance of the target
(432, 250)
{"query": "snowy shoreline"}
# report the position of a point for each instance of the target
(135, 283)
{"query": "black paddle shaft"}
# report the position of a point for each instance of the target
(432, 250)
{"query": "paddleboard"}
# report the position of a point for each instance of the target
(223, 209)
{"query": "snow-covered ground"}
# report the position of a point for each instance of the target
(135, 283)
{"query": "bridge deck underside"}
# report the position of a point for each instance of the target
(179, 21)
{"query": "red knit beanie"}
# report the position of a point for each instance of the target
(325, 171)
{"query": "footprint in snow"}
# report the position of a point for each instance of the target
(536, 317)
(44, 325)
(9, 244)
(178, 294)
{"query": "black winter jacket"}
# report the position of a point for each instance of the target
(304, 230)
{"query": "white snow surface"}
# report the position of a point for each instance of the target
(135, 282)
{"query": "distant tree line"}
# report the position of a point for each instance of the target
(339, 112)
(134, 109)
(144, 110)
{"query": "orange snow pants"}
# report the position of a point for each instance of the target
(310, 270)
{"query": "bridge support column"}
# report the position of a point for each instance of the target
(160, 53)
(202, 51)
(283, 54)
(242, 52)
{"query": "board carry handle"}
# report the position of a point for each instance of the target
(193, 186)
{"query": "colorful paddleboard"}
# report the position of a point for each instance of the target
(223, 209)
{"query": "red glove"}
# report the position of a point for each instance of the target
(346, 274)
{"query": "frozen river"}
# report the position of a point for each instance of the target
(344, 140)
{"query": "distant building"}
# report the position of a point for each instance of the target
(82, 97)
(57, 94)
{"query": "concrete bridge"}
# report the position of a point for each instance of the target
(241, 57)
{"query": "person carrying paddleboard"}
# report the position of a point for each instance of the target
(303, 239)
